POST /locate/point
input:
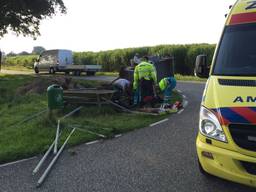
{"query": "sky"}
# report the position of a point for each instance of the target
(95, 25)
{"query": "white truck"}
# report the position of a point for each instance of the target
(61, 60)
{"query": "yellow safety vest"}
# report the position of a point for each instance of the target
(144, 70)
(163, 84)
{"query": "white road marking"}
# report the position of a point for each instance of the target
(185, 103)
(180, 111)
(116, 136)
(159, 122)
(92, 142)
(15, 162)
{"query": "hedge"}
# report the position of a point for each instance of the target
(25, 61)
(113, 60)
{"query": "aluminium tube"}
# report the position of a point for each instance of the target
(83, 126)
(58, 128)
(43, 158)
(128, 110)
(46, 172)
(29, 118)
(56, 138)
(71, 113)
(88, 131)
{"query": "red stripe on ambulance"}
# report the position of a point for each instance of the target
(243, 18)
(246, 113)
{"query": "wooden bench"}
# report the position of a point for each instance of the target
(88, 96)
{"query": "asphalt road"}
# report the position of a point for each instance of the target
(154, 159)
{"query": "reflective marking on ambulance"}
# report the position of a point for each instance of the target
(244, 13)
(243, 18)
(241, 115)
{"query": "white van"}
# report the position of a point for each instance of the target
(61, 60)
(53, 60)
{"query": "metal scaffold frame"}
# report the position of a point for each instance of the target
(54, 148)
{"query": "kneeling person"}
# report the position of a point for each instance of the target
(166, 85)
(123, 94)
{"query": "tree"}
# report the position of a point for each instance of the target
(37, 50)
(24, 16)
(23, 53)
(11, 54)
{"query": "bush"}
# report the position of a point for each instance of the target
(23, 61)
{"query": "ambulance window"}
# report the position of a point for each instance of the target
(237, 51)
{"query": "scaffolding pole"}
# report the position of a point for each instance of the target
(54, 148)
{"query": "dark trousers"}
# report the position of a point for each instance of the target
(147, 92)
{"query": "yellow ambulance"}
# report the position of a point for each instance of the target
(226, 142)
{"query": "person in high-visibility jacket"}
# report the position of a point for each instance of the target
(166, 85)
(144, 82)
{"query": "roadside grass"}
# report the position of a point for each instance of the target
(180, 77)
(9, 84)
(22, 140)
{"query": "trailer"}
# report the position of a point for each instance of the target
(61, 60)
(90, 70)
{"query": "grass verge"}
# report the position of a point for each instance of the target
(22, 140)
(180, 77)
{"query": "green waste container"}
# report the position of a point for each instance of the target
(55, 97)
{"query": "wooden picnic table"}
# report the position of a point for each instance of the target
(88, 96)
